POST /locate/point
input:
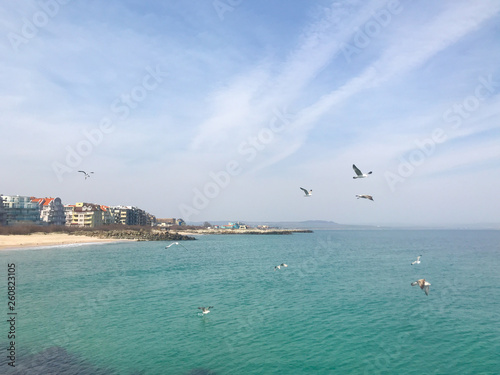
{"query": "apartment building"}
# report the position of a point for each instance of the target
(20, 210)
(85, 215)
(51, 210)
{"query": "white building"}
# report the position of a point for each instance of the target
(51, 210)
(21, 210)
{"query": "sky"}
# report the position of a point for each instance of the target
(220, 110)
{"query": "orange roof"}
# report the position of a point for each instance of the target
(42, 201)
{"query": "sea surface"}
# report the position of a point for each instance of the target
(344, 305)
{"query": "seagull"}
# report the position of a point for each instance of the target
(281, 265)
(205, 310)
(174, 243)
(416, 261)
(307, 193)
(86, 174)
(364, 196)
(360, 174)
(424, 285)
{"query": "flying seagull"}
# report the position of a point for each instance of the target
(416, 261)
(174, 243)
(360, 174)
(205, 310)
(86, 174)
(281, 265)
(365, 196)
(424, 285)
(306, 192)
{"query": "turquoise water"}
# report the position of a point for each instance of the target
(343, 306)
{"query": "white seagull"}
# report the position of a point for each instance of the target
(281, 265)
(174, 243)
(424, 285)
(306, 192)
(365, 196)
(86, 174)
(205, 310)
(360, 174)
(416, 261)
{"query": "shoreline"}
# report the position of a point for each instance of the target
(273, 231)
(40, 239)
(21, 241)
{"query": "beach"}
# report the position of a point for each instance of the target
(14, 241)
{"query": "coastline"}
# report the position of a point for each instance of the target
(194, 232)
(20, 241)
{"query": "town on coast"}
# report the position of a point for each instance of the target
(27, 221)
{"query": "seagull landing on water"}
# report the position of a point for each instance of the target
(416, 261)
(205, 310)
(86, 174)
(365, 196)
(174, 243)
(424, 285)
(306, 192)
(281, 265)
(360, 174)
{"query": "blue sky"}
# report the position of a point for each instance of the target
(221, 110)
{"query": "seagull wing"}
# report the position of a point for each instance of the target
(304, 190)
(414, 283)
(356, 169)
(83, 172)
(418, 258)
(426, 289)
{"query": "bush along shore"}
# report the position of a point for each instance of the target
(139, 235)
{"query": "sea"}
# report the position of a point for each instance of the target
(344, 305)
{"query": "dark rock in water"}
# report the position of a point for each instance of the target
(201, 371)
(53, 361)
(133, 234)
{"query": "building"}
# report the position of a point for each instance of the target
(20, 210)
(230, 225)
(130, 215)
(2, 211)
(107, 216)
(68, 213)
(85, 215)
(51, 210)
(170, 222)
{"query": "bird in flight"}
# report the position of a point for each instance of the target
(416, 261)
(174, 243)
(365, 196)
(424, 285)
(86, 174)
(360, 174)
(281, 265)
(205, 310)
(306, 192)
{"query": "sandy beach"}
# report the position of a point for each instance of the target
(42, 239)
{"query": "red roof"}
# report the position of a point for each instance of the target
(42, 201)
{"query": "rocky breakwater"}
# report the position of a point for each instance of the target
(138, 235)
